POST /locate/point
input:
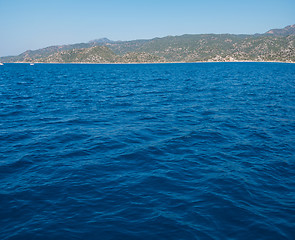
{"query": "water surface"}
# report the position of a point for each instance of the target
(148, 151)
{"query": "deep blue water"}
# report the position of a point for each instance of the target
(151, 151)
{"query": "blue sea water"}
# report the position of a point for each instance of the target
(148, 151)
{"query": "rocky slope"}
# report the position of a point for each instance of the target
(289, 30)
(275, 45)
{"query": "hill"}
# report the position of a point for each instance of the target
(274, 45)
(289, 30)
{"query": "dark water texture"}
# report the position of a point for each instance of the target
(151, 151)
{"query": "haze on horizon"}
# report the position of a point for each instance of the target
(34, 24)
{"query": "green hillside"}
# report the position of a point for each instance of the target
(185, 48)
(97, 54)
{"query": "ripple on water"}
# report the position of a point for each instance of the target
(162, 151)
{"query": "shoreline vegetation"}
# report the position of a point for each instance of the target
(272, 46)
(111, 63)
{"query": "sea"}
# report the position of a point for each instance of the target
(147, 151)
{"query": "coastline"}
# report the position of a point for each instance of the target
(241, 61)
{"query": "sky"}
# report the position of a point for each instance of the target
(33, 24)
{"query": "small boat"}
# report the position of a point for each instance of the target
(1, 64)
(31, 64)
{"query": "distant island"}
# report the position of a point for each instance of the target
(276, 45)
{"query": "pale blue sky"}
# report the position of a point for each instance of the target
(33, 24)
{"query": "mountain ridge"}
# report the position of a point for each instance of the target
(286, 31)
(274, 45)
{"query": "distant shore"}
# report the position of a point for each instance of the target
(241, 61)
